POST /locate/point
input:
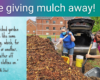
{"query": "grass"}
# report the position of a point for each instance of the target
(94, 63)
(96, 66)
(45, 36)
(30, 34)
(90, 61)
(52, 36)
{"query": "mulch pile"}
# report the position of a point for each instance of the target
(44, 63)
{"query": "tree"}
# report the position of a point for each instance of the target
(96, 26)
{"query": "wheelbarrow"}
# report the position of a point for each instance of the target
(94, 72)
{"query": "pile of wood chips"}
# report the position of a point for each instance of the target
(44, 63)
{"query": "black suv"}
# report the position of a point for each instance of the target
(81, 28)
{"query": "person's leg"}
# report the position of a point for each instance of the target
(65, 51)
(71, 51)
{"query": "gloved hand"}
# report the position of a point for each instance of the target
(70, 33)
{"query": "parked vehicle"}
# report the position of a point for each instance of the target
(82, 30)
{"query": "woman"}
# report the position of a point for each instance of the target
(94, 56)
(68, 43)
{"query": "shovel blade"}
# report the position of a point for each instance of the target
(83, 69)
(83, 66)
(56, 48)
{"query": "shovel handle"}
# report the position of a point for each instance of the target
(57, 43)
(62, 39)
(89, 48)
(65, 37)
(83, 70)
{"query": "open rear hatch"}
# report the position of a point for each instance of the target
(80, 24)
(81, 28)
(82, 39)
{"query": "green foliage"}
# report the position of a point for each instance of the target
(90, 61)
(96, 66)
(96, 26)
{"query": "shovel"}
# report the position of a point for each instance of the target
(59, 42)
(83, 65)
(66, 59)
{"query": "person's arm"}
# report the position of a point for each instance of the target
(72, 37)
(92, 56)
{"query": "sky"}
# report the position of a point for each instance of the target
(32, 18)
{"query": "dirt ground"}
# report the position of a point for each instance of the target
(91, 63)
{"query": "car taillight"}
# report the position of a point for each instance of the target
(94, 40)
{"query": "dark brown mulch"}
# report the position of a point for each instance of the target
(44, 63)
